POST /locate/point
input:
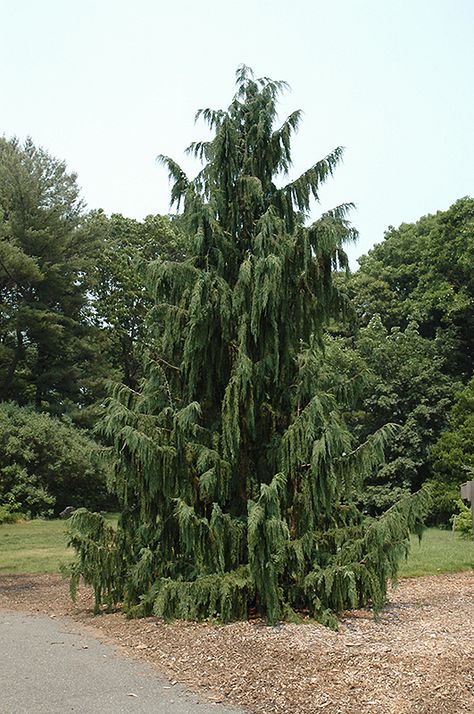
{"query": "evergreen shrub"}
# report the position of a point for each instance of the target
(47, 464)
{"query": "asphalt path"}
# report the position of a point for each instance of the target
(52, 665)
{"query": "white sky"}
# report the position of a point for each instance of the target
(108, 85)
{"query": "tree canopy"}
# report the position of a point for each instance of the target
(43, 284)
(423, 271)
(403, 378)
(118, 295)
(453, 453)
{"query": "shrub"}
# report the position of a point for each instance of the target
(445, 502)
(47, 464)
(462, 522)
(10, 513)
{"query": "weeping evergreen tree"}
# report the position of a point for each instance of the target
(235, 471)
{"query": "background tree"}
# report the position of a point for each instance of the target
(423, 271)
(452, 455)
(120, 301)
(404, 382)
(43, 287)
(236, 473)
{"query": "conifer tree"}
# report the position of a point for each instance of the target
(45, 337)
(235, 472)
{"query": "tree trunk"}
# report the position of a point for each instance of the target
(7, 383)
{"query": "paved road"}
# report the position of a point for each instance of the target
(52, 666)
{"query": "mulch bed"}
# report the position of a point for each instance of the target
(417, 659)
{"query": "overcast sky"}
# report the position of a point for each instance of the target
(108, 84)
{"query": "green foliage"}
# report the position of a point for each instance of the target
(409, 386)
(445, 501)
(393, 376)
(235, 467)
(453, 453)
(46, 464)
(414, 297)
(10, 512)
(120, 303)
(95, 541)
(452, 456)
(21, 488)
(462, 521)
(44, 334)
(423, 271)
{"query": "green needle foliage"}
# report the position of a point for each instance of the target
(236, 473)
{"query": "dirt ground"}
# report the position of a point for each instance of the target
(418, 659)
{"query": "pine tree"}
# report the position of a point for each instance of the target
(45, 344)
(236, 474)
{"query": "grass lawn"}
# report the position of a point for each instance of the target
(439, 552)
(40, 547)
(35, 546)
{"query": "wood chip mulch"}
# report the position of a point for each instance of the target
(417, 659)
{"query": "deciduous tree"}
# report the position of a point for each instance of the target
(423, 271)
(119, 299)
